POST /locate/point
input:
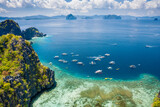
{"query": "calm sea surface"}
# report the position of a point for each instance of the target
(124, 40)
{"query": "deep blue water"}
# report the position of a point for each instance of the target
(95, 37)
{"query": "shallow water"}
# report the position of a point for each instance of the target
(79, 92)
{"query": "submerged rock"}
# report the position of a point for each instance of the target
(22, 75)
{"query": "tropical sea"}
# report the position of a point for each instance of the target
(129, 42)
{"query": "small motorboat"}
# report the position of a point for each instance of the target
(107, 54)
(65, 61)
(60, 60)
(74, 60)
(98, 71)
(110, 68)
(92, 63)
(56, 57)
(102, 57)
(80, 63)
(148, 46)
(132, 66)
(64, 54)
(97, 59)
(112, 62)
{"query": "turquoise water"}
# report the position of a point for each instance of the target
(124, 40)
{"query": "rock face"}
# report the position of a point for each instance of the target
(112, 17)
(21, 73)
(32, 32)
(70, 17)
(9, 26)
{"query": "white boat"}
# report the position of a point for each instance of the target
(56, 57)
(74, 60)
(132, 66)
(112, 62)
(102, 57)
(97, 59)
(72, 53)
(107, 54)
(148, 46)
(80, 63)
(98, 71)
(60, 60)
(92, 63)
(110, 68)
(64, 54)
(65, 61)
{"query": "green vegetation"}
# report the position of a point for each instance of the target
(9, 26)
(21, 73)
(32, 32)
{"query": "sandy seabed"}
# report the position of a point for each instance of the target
(80, 92)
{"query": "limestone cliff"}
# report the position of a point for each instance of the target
(21, 73)
(11, 27)
(32, 32)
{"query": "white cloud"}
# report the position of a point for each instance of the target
(3, 10)
(153, 4)
(82, 5)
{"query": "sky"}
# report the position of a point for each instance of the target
(19, 8)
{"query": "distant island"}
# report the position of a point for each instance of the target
(155, 19)
(70, 17)
(111, 17)
(11, 27)
(22, 75)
